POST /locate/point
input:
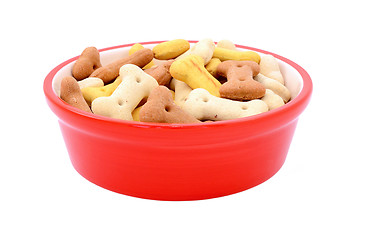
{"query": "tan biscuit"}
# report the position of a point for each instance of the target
(110, 72)
(161, 72)
(161, 108)
(240, 85)
(86, 64)
(70, 92)
(135, 48)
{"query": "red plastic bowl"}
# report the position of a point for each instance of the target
(179, 161)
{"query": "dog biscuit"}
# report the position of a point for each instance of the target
(275, 86)
(161, 72)
(226, 44)
(240, 84)
(192, 71)
(170, 49)
(211, 67)
(269, 67)
(91, 82)
(161, 108)
(272, 100)
(203, 48)
(181, 90)
(135, 85)
(70, 92)
(204, 106)
(137, 47)
(91, 93)
(110, 72)
(227, 54)
(86, 64)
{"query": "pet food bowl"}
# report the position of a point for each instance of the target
(178, 161)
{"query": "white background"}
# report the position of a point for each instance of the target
(318, 194)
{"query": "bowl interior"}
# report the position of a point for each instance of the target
(292, 77)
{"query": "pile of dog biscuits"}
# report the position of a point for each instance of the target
(175, 82)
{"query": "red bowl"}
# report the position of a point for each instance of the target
(179, 161)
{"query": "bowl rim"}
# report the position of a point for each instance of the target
(301, 99)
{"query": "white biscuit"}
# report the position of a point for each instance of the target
(203, 48)
(181, 90)
(91, 82)
(204, 106)
(226, 44)
(275, 86)
(272, 100)
(270, 68)
(135, 85)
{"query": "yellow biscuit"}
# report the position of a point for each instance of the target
(91, 93)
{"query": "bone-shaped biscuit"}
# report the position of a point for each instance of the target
(136, 85)
(204, 106)
(110, 72)
(224, 43)
(161, 108)
(70, 92)
(91, 82)
(91, 93)
(192, 71)
(161, 72)
(272, 100)
(269, 67)
(136, 114)
(275, 86)
(136, 111)
(181, 90)
(170, 49)
(135, 48)
(240, 84)
(211, 67)
(87, 63)
(203, 48)
(225, 54)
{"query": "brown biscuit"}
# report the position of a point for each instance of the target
(70, 92)
(86, 64)
(161, 108)
(240, 84)
(161, 72)
(111, 71)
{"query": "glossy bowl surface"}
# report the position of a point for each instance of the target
(178, 161)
